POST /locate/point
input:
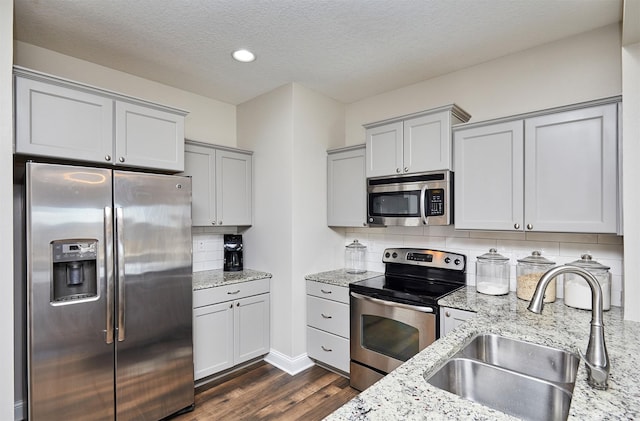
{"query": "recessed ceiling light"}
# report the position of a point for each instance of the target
(245, 56)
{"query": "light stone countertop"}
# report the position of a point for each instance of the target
(340, 277)
(404, 394)
(217, 278)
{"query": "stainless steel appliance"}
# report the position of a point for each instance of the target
(109, 295)
(395, 316)
(411, 200)
(232, 253)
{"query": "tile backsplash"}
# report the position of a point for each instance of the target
(558, 247)
(207, 251)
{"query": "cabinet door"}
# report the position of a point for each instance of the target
(450, 318)
(571, 171)
(489, 177)
(233, 188)
(251, 327)
(346, 189)
(200, 164)
(427, 143)
(148, 137)
(57, 121)
(384, 150)
(212, 339)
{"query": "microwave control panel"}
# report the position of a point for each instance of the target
(435, 202)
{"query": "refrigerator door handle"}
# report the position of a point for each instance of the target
(121, 277)
(108, 268)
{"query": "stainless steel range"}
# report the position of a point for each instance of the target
(395, 316)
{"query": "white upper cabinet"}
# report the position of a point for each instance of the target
(489, 177)
(571, 171)
(346, 187)
(148, 137)
(221, 183)
(415, 143)
(57, 118)
(233, 188)
(552, 172)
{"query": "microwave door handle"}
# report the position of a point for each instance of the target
(423, 210)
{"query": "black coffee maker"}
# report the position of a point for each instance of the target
(232, 252)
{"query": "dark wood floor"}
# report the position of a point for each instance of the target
(263, 392)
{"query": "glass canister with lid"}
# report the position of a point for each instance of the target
(492, 273)
(577, 292)
(528, 272)
(355, 257)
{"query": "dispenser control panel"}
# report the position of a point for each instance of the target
(74, 251)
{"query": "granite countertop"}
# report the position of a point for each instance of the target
(217, 278)
(340, 277)
(404, 393)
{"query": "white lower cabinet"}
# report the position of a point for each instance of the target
(328, 324)
(230, 326)
(450, 318)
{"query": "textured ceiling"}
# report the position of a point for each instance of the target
(345, 49)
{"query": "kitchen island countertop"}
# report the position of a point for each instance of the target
(217, 278)
(405, 394)
(340, 277)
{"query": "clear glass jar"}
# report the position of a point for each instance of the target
(492, 273)
(355, 257)
(528, 272)
(577, 292)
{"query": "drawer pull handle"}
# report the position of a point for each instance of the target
(233, 292)
(326, 349)
(325, 292)
(324, 316)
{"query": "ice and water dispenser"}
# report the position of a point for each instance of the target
(74, 269)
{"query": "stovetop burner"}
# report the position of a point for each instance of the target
(415, 276)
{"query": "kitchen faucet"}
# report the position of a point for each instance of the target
(596, 358)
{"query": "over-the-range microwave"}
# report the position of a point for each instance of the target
(411, 200)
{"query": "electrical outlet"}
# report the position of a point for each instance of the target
(201, 245)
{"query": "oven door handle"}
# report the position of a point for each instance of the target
(423, 210)
(392, 303)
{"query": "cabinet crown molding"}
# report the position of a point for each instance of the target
(456, 112)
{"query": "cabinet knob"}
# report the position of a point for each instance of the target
(213, 222)
(121, 159)
(446, 313)
(398, 170)
(326, 349)
(219, 222)
(516, 226)
(529, 226)
(406, 169)
(237, 304)
(231, 305)
(364, 224)
(107, 157)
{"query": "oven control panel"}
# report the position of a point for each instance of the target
(425, 257)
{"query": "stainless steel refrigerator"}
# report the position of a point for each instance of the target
(109, 295)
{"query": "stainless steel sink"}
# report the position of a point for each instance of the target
(507, 391)
(539, 361)
(523, 379)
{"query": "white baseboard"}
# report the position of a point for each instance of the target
(290, 365)
(18, 410)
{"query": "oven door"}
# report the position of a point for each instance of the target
(384, 334)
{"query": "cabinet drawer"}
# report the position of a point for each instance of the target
(329, 349)
(328, 291)
(329, 316)
(224, 293)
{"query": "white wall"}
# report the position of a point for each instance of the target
(289, 130)
(568, 71)
(631, 177)
(208, 121)
(6, 211)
